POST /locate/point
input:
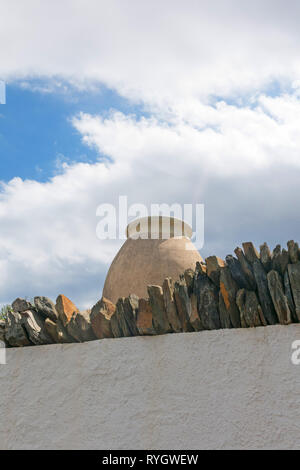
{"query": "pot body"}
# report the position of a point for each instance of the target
(141, 262)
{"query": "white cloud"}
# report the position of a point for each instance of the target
(184, 62)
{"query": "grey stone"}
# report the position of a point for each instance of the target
(280, 260)
(207, 302)
(279, 299)
(246, 267)
(46, 307)
(144, 318)
(264, 294)
(266, 257)
(15, 333)
(294, 276)
(35, 328)
(170, 305)
(183, 304)
(213, 268)
(131, 306)
(289, 296)
(250, 251)
(224, 315)
(21, 305)
(160, 319)
(237, 272)
(250, 310)
(80, 328)
(293, 250)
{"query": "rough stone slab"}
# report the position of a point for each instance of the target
(266, 257)
(120, 315)
(80, 328)
(15, 334)
(293, 250)
(224, 316)
(183, 304)
(228, 289)
(189, 276)
(65, 308)
(35, 328)
(264, 294)
(21, 305)
(280, 260)
(170, 305)
(280, 301)
(101, 315)
(131, 305)
(160, 319)
(294, 276)
(115, 326)
(207, 300)
(289, 296)
(213, 268)
(250, 310)
(46, 307)
(251, 252)
(144, 318)
(57, 331)
(195, 319)
(237, 272)
(2, 332)
(201, 268)
(246, 267)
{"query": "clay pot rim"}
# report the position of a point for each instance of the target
(178, 227)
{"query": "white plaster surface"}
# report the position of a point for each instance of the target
(209, 390)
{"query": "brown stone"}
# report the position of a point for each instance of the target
(101, 315)
(293, 250)
(228, 289)
(251, 252)
(189, 276)
(224, 315)
(144, 318)
(279, 299)
(280, 260)
(201, 267)
(213, 268)
(266, 257)
(170, 305)
(246, 267)
(65, 308)
(294, 276)
(57, 331)
(159, 314)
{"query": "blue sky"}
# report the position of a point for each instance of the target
(36, 131)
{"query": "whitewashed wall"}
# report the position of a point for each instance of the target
(220, 389)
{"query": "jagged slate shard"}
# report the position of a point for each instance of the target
(170, 305)
(200, 268)
(15, 334)
(263, 293)
(57, 331)
(224, 315)
(236, 272)
(131, 305)
(144, 318)
(159, 315)
(120, 314)
(246, 267)
(294, 276)
(207, 301)
(101, 315)
(195, 320)
(46, 307)
(266, 257)
(250, 310)
(65, 308)
(189, 276)
(21, 305)
(293, 250)
(250, 251)
(289, 296)
(115, 326)
(228, 289)
(213, 268)
(35, 328)
(280, 260)
(279, 299)
(183, 304)
(80, 328)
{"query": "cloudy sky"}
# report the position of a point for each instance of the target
(187, 102)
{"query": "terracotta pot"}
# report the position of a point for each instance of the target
(156, 248)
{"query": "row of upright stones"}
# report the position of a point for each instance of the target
(247, 290)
